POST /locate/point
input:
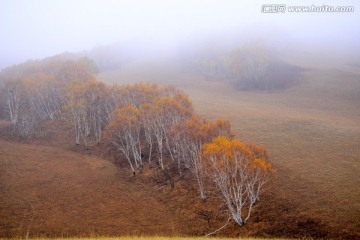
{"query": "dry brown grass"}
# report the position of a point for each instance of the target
(54, 192)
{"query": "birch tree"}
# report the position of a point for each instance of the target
(95, 94)
(187, 139)
(148, 124)
(238, 173)
(76, 111)
(167, 112)
(124, 134)
(19, 109)
(45, 95)
(111, 101)
(13, 91)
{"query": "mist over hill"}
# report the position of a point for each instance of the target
(37, 29)
(174, 118)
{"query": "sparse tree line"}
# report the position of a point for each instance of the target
(146, 124)
(250, 67)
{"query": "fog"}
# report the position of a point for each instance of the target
(34, 29)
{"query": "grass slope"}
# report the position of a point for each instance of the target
(46, 190)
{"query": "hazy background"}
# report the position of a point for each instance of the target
(32, 29)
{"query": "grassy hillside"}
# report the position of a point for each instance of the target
(312, 131)
(52, 188)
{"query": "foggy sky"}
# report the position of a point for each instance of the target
(32, 29)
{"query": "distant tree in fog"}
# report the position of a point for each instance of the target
(88, 64)
(250, 66)
(247, 67)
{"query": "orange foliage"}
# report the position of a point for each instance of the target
(233, 150)
(125, 117)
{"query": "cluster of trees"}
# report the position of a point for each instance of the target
(24, 105)
(144, 122)
(251, 67)
(35, 90)
(161, 122)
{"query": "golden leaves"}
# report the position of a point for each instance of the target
(262, 164)
(235, 152)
